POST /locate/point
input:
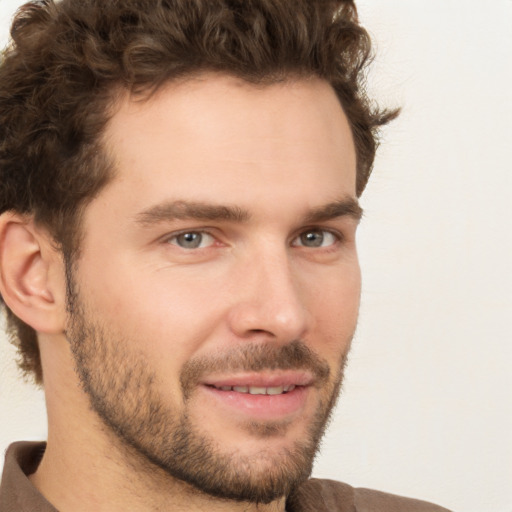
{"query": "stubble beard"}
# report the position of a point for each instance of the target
(123, 391)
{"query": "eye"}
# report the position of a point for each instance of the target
(192, 240)
(314, 238)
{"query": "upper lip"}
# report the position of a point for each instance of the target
(262, 379)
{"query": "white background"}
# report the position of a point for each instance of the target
(427, 405)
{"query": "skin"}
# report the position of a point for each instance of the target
(279, 154)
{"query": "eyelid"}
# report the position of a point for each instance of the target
(208, 231)
(203, 231)
(337, 234)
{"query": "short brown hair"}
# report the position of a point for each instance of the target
(67, 59)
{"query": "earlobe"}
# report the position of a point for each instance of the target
(31, 282)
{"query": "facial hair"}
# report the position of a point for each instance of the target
(123, 390)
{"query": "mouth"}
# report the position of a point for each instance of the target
(259, 396)
(258, 390)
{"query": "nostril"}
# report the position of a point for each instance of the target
(259, 331)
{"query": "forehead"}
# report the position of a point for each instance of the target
(215, 135)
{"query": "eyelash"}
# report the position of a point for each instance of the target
(200, 232)
(336, 235)
(336, 238)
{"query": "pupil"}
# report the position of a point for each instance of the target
(190, 240)
(313, 239)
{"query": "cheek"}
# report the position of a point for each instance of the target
(334, 306)
(171, 313)
(162, 312)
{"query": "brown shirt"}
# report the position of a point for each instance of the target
(17, 494)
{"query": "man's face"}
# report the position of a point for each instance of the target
(217, 288)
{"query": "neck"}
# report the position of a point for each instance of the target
(87, 467)
(80, 472)
(80, 481)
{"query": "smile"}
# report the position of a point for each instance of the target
(261, 397)
(257, 390)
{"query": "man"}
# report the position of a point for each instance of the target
(179, 184)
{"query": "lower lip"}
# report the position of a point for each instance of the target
(264, 407)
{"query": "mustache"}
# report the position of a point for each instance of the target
(252, 357)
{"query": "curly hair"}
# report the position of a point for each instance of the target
(68, 60)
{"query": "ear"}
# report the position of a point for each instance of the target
(32, 277)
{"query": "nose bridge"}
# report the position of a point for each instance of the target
(270, 300)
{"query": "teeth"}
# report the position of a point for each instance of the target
(255, 390)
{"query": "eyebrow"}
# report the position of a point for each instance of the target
(193, 210)
(346, 207)
(186, 210)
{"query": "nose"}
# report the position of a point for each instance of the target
(270, 301)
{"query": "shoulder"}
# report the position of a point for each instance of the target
(322, 496)
(368, 500)
(17, 492)
(331, 496)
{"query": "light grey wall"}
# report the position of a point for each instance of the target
(427, 405)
